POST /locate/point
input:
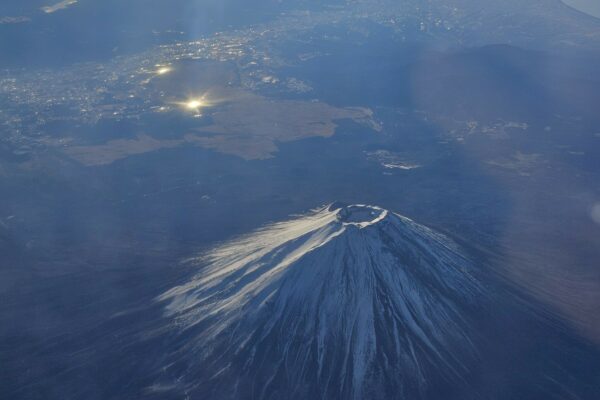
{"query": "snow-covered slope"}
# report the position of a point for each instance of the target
(344, 302)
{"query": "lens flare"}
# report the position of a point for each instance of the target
(595, 213)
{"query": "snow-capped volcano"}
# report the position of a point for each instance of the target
(343, 302)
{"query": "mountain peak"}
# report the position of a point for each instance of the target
(359, 214)
(320, 306)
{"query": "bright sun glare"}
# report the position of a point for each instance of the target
(163, 70)
(194, 104)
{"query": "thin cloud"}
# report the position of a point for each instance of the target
(58, 6)
(14, 20)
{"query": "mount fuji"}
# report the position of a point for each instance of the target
(344, 302)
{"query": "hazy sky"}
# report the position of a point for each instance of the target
(591, 7)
